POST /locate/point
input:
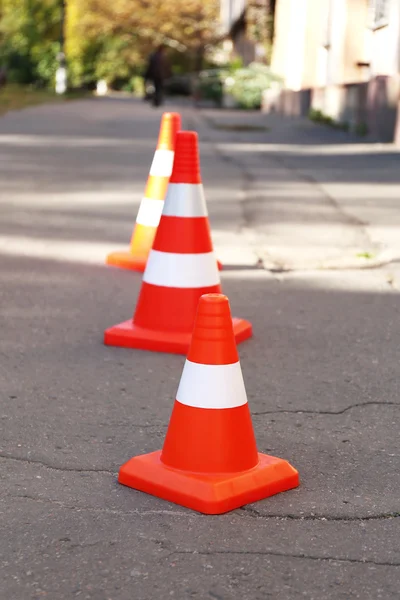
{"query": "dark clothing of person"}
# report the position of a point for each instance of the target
(158, 98)
(158, 70)
(3, 76)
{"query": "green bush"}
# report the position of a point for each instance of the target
(236, 64)
(315, 115)
(46, 62)
(247, 85)
(319, 117)
(137, 84)
(209, 85)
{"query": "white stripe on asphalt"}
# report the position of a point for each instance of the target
(185, 200)
(181, 270)
(212, 386)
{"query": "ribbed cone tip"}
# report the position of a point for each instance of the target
(213, 341)
(186, 167)
(170, 125)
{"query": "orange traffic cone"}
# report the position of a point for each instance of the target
(209, 461)
(150, 209)
(181, 266)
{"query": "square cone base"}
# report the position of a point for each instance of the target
(209, 494)
(128, 335)
(126, 260)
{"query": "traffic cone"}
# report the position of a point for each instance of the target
(209, 461)
(151, 205)
(181, 266)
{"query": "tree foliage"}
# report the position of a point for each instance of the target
(104, 38)
(29, 38)
(111, 40)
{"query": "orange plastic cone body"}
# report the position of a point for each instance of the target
(181, 265)
(209, 461)
(151, 206)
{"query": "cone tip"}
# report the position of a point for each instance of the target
(186, 167)
(171, 117)
(213, 300)
(214, 305)
(213, 341)
(170, 125)
(188, 136)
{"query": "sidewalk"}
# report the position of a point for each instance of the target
(321, 371)
(313, 197)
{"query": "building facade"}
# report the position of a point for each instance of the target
(341, 57)
(233, 17)
(230, 12)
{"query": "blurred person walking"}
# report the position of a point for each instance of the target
(158, 70)
(3, 76)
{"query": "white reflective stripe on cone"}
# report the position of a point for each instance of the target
(150, 212)
(162, 163)
(181, 270)
(185, 200)
(212, 386)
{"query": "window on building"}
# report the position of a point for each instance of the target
(379, 10)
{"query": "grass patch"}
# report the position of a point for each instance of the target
(368, 255)
(319, 117)
(15, 97)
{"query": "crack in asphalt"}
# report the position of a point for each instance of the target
(347, 219)
(54, 467)
(250, 512)
(285, 555)
(248, 176)
(325, 412)
(247, 179)
(255, 514)
(307, 177)
(374, 264)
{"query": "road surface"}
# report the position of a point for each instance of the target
(322, 371)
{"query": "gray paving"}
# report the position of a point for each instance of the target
(315, 197)
(321, 374)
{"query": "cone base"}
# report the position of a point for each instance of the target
(209, 494)
(126, 260)
(128, 335)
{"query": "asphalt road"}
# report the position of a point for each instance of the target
(322, 377)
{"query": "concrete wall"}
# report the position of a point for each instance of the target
(315, 36)
(317, 48)
(354, 42)
(320, 42)
(289, 41)
(374, 104)
(384, 44)
(383, 106)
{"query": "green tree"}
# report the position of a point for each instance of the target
(108, 39)
(112, 40)
(29, 39)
